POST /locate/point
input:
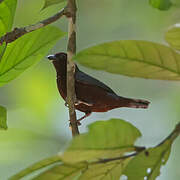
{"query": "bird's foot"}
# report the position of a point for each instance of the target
(78, 123)
(80, 119)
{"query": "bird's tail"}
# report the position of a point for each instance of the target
(134, 103)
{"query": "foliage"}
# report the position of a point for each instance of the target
(37, 166)
(26, 51)
(98, 142)
(173, 36)
(161, 4)
(48, 3)
(106, 157)
(133, 58)
(108, 149)
(7, 9)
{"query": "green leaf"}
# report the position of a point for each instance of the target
(63, 171)
(144, 165)
(106, 171)
(149, 162)
(2, 50)
(35, 167)
(52, 2)
(105, 139)
(172, 36)
(83, 171)
(133, 58)
(3, 118)
(161, 4)
(27, 50)
(7, 9)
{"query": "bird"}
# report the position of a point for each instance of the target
(92, 95)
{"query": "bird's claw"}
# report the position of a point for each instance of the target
(78, 123)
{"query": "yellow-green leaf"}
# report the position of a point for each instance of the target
(133, 58)
(48, 3)
(149, 162)
(63, 171)
(140, 165)
(105, 139)
(161, 4)
(26, 51)
(35, 167)
(173, 36)
(7, 9)
(3, 118)
(7, 12)
(107, 171)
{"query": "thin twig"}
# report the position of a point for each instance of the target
(115, 159)
(71, 50)
(70, 12)
(174, 134)
(18, 32)
(138, 150)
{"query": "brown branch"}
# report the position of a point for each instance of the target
(115, 159)
(171, 137)
(138, 150)
(18, 32)
(70, 13)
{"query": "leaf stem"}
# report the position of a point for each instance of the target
(139, 149)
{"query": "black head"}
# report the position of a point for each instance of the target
(58, 57)
(59, 61)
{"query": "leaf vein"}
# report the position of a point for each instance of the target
(136, 60)
(43, 45)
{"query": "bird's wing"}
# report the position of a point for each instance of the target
(83, 78)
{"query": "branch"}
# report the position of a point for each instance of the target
(115, 159)
(71, 51)
(70, 12)
(175, 133)
(138, 150)
(18, 32)
(171, 138)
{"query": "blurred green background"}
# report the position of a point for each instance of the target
(37, 118)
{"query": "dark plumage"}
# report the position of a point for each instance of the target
(92, 95)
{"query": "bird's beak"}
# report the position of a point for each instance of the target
(51, 57)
